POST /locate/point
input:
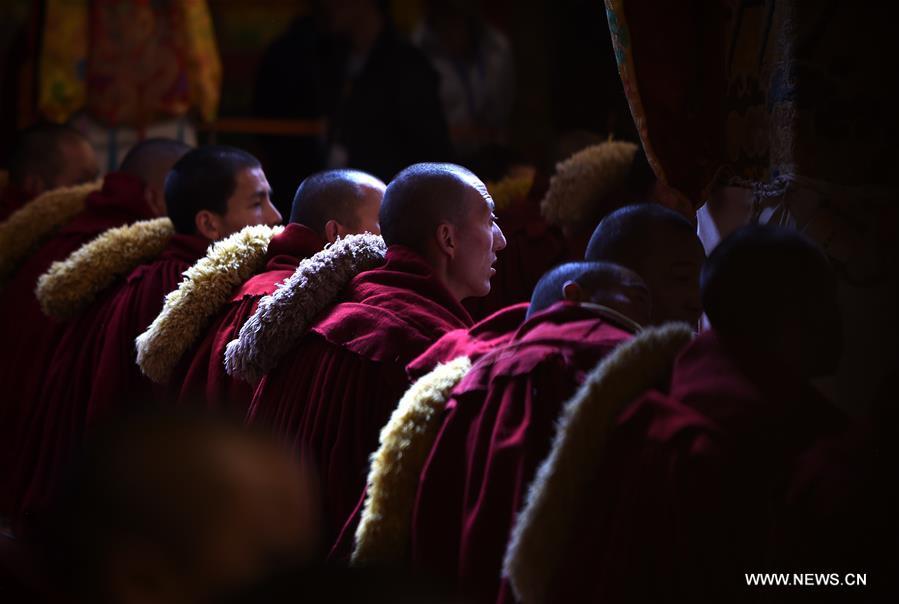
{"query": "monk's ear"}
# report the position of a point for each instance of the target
(155, 201)
(572, 292)
(446, 239)
(208, 225)
(332, 230)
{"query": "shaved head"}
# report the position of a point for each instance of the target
(764, 283)
(200, 495)
(662, 247)
(602, 283)
(339, 196)
(420, 198)
(47, 156)
(150, 160)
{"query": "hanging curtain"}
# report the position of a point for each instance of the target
(128, 62)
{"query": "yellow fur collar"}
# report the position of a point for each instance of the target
(206, 288)
(584, 180)
(72, 284)
(546, 521)
(37, 220)
(406, 440)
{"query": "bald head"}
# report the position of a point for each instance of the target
(189, 494)
(150, 160)
(48, 156)
(420, 198)
(772, 290)
(337, 203)
(603, 283)
(662, 247)
(445, 214)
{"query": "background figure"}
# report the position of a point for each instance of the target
(173, 506)
(477, 71)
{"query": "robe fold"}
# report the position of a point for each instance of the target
(94, 371)
(475, 342)
(498, 427)
(201, 376)
(29, 336)
(334, 391)
(691, 484)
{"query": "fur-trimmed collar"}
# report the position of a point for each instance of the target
(383, 532)
(33, 223)
(580, 188)
(546, 520)
(71, 285)
(206, 288)
(282, 318)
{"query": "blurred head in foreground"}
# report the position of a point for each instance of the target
(173, 506)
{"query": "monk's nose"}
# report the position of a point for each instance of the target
(499, 240)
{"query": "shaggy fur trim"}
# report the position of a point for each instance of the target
(583, 181)
(37, 220)
(282, 318)
(547, 519)
(72, 284)
(383, 532)
(206, 288)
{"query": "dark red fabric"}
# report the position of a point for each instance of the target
(11, 199)
(29, 336)
(201, 377)
(93, 370)
(532, 248)
(332, 394)
(691, 485)
(497, 428)
(481, 338)
(475, 342)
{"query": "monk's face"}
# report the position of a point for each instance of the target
(671, 271)
(250, 204)
(479, 238)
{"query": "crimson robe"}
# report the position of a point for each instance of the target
(201, 376)
(334, 391)
(94, 371)
(29, 337)
(475, 342)
(532, 248)
(498, 427)
(687, 496)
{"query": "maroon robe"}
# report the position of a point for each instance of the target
(29, 336)
(201, 376)
(691, 484)
(94, 369)
(532, 248)
(332, 394)
(475, 342)
(498, 427)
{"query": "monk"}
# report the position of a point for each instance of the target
(662, 247)
(134, 192)
(46, 156)
(326, 206)
(331, 394)
(498, 421)
(210, 193)
(169, 505)
(689, 490)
